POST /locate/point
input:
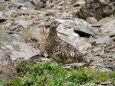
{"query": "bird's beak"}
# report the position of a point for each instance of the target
(62, 33)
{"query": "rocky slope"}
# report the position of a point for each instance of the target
(89, 25)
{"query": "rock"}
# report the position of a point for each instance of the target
(108, 31)
(75, 65)
(108, 27)
(105, 70)
(104, 1)
(97, 9)
(105, 20)
(51, 13)
(79, 3)
(109, 62)
(23, 8)
(84, 46)
(4, 56)
(1, 14)
(39, 4)
(75, 34)
(97, 62)
(106, 83)
(14, 44)
(2, 20)
(24, 23)
(21, 36)
(91, 20)
(18, 1)
(113, 83)
(32, 32)
(25, 51)
(103, 39)
(2, 0)
(84, 26)
(3, 6)
(78, 25)
(89, 84)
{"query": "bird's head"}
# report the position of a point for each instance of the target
(54, 24)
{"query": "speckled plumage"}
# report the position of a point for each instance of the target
(59, 50)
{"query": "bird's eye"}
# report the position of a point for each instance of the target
(69, 27)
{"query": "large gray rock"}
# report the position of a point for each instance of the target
(25, 51)
(109, 27)
(15, 45)
(70, 31)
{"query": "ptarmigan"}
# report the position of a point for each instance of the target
(59, 50)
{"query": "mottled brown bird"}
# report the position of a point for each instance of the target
(59, 50)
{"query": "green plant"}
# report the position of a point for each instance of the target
(48, 74)
(22, 67)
